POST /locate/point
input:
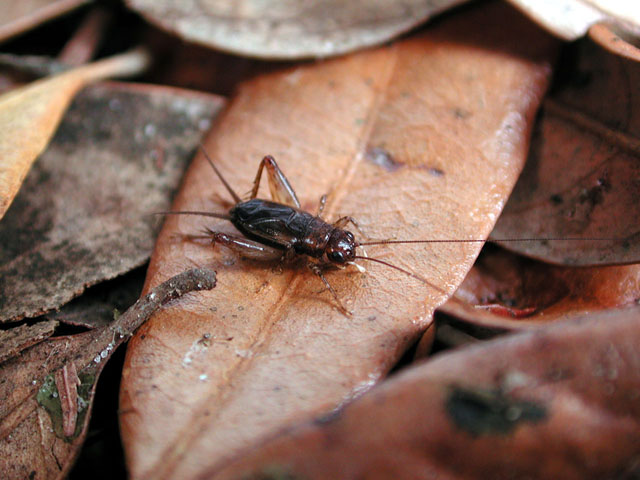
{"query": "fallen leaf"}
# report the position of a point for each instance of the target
(542, 293)
(85, 212)
(18, 17)
(98, 305)
(617, 41)
(423, 139)
(583, 175)
(29, 115)
(557, 403)
(47, 391)
(571, 19)
(274, 29)
(16, 339)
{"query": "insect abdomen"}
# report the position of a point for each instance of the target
(281, 226)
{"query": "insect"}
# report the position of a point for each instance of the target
(280, 229)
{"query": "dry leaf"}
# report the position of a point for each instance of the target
(98, 305)
(506, 291)
(291, 29)
(29, 115)
(16, 339)
(559, 403)
(423, 139)
(46, 392)
(18, 17)
(85, 214)
(583, 175)
(571, 19)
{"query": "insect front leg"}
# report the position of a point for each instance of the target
(344, 221)
(245, 247)
(321, 205)
(279, 186)
(317, 269)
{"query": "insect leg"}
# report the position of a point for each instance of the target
(317, 269)
(279, 186)
(343, 221)
(245, 247)
(321, 205)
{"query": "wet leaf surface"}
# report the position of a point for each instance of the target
(557, 403)
(583, 175)
(507, 291)
(17, 17)
(47, 391)
(275, 29)
(84, 214)
(423, 139)
(32, 113)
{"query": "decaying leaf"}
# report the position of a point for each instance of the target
(29, 115)
(506, 291)
(583, 175)
(85, 212)
(289, 29)
(571, 19)
(16, 339)
(47, 391)
(557, 403)
(17, 17)
(422, 139)
(98, 305)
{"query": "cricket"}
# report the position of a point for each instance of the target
(278, 229)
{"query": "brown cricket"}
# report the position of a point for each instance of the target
(280, 229)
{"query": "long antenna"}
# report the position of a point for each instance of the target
(215, 169)
(570, 239)
(407, 272)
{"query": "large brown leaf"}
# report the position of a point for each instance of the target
(47, 391)
(84, 215)
(423, 139)
(583, 175)
(290, 29)
(561, 403)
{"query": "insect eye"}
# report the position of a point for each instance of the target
(336, 256)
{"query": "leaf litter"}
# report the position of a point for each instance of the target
(453, 109)
(47, 391)
(582, 177)
(558, 403)
(30, 114)
(506, 291)
(84, 214)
